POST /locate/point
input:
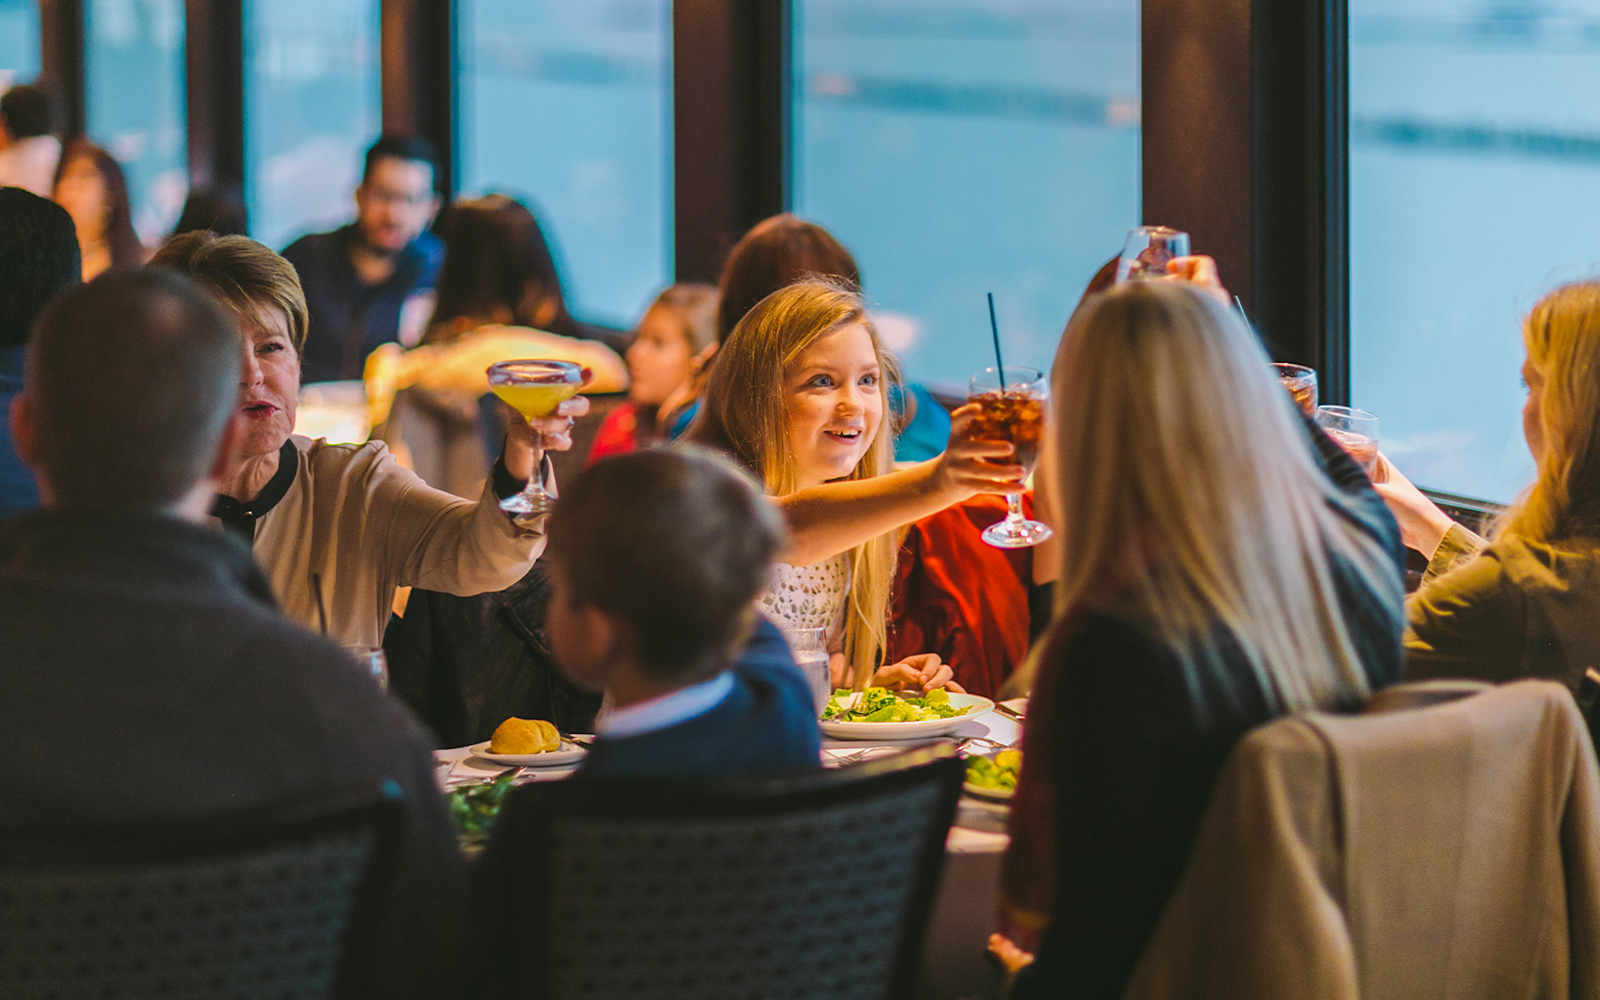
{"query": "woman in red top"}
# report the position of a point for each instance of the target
(675, 339)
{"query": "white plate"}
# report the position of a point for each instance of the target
(908, 730)
(568, 753)
(1003, 794)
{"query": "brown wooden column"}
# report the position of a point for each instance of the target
(214, 91)
(731, 138)
(419, 81)
(61, 60)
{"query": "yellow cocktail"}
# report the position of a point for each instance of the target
(534, 389)
(537, 399)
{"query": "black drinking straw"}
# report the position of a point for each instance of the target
(994, 327)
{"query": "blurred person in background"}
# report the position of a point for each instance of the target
(1222, 562)
(90, 186)
(783, 249)
(498, 298)
(1527, 602)
(670, 349)
(338, 527)
(218, 208)
(368, 283)
(39, 260)
(28, 151)
(129, 620)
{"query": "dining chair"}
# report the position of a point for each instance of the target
(273, 902)
(814, 885)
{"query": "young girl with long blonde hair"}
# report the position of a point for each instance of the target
(797, 394)
(1527, 603)
(1221, 562)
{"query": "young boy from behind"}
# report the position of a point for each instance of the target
(656, 560)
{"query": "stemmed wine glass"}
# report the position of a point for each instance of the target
(1147, 250)
(1012, 408)
(534, 389)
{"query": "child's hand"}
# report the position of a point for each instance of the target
(917, 675)
(970, 465)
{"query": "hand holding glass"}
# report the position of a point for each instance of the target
(1014, 412)
(1147, 250)
(534, 389)
(1355, 430)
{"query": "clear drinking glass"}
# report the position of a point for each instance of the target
(534, 389)
(1147, 250)
(1301, 383)
(1012, 410)
(372, 661)
(810, 649)
(1355, 430)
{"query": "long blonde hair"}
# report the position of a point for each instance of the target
(1562, 337)
(745, 412)
(1192, 500)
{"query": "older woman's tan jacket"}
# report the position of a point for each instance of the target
(355, 525)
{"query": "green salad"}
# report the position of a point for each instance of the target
(998, 772)
(473, 807)
(878, 704)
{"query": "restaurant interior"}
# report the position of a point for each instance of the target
(799, 498)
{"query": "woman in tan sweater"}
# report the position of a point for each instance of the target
(338, 527)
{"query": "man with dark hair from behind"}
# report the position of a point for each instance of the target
(130, 626)
(369, 282)
(39, 259)
(28, 150)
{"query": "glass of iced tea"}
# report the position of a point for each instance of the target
(1301, 383)
(534, 389)
(1355, 430)
(1146, 251)
(1014, 411)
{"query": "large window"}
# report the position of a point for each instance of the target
(311, 108)
(567, 106)
(19, 42)
(133, 100)
(959, 147)
(1474, 189)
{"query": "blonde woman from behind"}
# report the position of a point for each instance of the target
(1222, 562)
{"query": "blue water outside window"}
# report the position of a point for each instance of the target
(312, 89)
(19, 42)
(568, 107)
(958, 147)
(1474, 189)
(134, 103)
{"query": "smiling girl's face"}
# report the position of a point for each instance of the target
(834, 396)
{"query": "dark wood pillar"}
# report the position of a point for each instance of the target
(61, 61)
(1302, 274)
(214, 91)
(731, 81)
(419, 80)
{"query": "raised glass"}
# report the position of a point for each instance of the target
(1147, 250)
(534, 389)
(1301, 382)
(958, 147)
(1355, 430)
(1012, 409)
(568, 106)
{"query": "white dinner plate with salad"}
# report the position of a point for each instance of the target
(570, 753)
(972, 706)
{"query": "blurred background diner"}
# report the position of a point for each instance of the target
(944, 428)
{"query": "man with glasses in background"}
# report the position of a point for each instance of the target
(371, 282)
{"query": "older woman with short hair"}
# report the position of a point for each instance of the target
(338, 527)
